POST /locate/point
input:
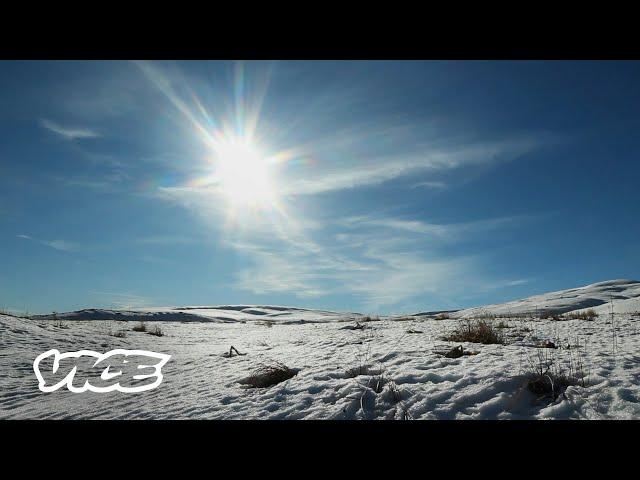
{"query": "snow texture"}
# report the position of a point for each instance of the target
(370, 370)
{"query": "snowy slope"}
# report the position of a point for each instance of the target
(199, 382)
(418, 383)
(219, 314)
(625, 295)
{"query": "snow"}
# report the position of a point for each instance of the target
(624, 293)
(418, 383)
(220, 314)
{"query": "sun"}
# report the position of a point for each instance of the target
(243, 174)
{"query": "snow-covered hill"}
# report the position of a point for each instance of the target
(391, 368)
(217, 314)
(625, 295)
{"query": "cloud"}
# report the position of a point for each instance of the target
(371, 170)
(364, 171)
(69, 133)
(122, 300)
(435, 185)
(382, 262)
(105, 182)
(450, 232)
(61, 245)
(169, 240)
(380, 276)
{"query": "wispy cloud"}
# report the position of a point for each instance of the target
(382, 262)
(61, 245)
(372, 170)
(108, 183)
(367, 171)
(69, 133)
(433, 184)
(169, 240)
(450, 232)
(122, 300)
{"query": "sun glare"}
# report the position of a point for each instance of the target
(243, 174)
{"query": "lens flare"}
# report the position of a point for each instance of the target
(243, 174)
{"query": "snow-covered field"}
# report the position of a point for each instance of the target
(402, 374)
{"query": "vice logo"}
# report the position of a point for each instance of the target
(128, 371)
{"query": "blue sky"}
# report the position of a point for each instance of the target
(371, 186)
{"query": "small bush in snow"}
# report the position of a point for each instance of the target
(141, 327)
(586, 315)
(156, 330)
(549, 378)
(479, 331)
(442, 316)
(267, 375)
(357, 371)
(549, 315)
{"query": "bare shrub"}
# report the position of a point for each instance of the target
(479, 331)
(377, 381)
(403, 319)
(485, 315)
(443, 316)
(141, 327)
(589, 314)
(357, 326)
(455, 352)
(394, 391)
(357, 371)
(155, 330)
(270, 374)
(548, 377)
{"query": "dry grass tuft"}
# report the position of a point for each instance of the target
(156, 330)
(270, 374)
(586, 315)
(549, 378)
(479, 331)
(357, 371)
(141, 327)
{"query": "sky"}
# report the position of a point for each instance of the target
(375, 187)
